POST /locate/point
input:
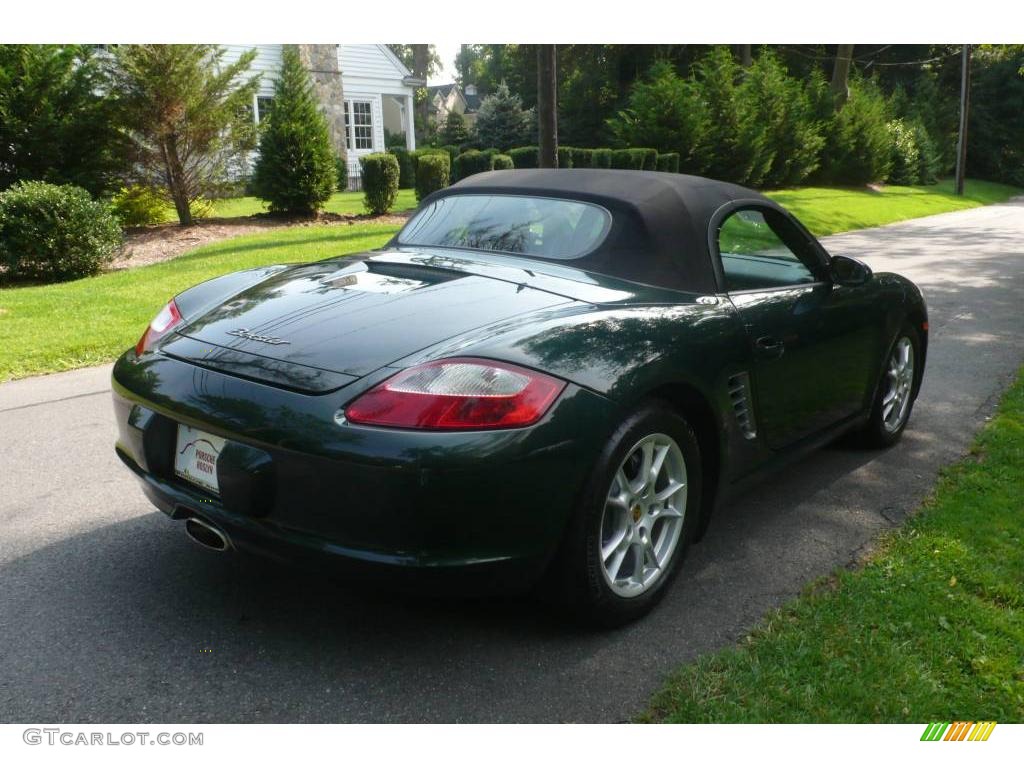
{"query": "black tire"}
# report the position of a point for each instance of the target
(578, 578)
(875, 433)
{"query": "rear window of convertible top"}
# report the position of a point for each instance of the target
(550, 228)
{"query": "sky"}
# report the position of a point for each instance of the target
(447, 52)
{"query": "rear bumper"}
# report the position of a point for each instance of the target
(299, 488)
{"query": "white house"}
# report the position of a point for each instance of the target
(364, 91)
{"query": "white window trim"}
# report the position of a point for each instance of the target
(350, 126)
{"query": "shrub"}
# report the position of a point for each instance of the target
(669, 162)
(621, 158)
(635, 159)
(341, 170)
(433, 172)
(468, 163)
(601, 158)
(452, 150)
(905, 165)
(295, 171)
(502, 163)
(647, 158)
(406, 173)
(415, 155)
(929, 159)
(525, 157)
(778, 123)
(565, 157)
(857, 143)
(139, 206)
(380, 176)
(54, 233)
(583, 158)
(664, 111)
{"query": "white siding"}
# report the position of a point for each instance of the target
(367, 72)
(267, 63)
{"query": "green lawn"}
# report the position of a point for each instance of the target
(930, 629)
(827, 210)
(91, 321)
(345, 203)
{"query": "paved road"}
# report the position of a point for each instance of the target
(108, 614)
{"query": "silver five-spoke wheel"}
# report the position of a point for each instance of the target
(899, 381)
(643, 515)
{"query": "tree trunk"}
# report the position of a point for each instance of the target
(841, 75)
(965, 105)
(176, 180)
(420, 65)
(744, 54)
(547, 105)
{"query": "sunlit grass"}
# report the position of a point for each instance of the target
(827, 210)
(931, 629)
(91, 321)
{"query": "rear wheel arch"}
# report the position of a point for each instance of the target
(690, 403)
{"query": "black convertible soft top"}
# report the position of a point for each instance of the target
(659, 234)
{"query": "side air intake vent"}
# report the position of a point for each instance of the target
(739, 396)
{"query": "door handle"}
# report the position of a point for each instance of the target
(770, 347)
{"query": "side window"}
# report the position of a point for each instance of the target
(754, 256)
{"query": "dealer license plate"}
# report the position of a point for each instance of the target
(195, 457)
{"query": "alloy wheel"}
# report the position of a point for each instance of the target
(899, 380)
(643, 515)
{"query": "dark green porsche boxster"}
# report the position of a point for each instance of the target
(546, 378)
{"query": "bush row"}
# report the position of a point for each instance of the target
(762, 127)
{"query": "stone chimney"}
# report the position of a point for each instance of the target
(324, 67)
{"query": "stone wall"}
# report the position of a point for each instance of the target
(325, 72)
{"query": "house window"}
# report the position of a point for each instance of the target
(263, 106)
(358, 125)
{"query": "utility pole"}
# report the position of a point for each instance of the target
(965, 105)
(547, 105)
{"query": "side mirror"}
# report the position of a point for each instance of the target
(849, 271)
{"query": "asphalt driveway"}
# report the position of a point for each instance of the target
(109, 614)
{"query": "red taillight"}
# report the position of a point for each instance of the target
(167, 318)
(458, 393)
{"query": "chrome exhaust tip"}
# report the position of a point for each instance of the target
(206, 535)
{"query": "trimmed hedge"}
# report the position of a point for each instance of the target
(565, 157)
(635, 159)
(502, 163)
(669, 162)
(471, 162)
(54, 233)
(601, 158)
(341, 168)
(582, 158)
(380, 175)
(525, 157)
(406, 173)
(433, 172)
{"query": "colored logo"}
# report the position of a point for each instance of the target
(958, 731)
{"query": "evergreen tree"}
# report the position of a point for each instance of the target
(454, 131)
(295, 172)
(57, 118)
(665, 112)
(502, 122)
(188, 114)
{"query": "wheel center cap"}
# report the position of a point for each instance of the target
(637, 513)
